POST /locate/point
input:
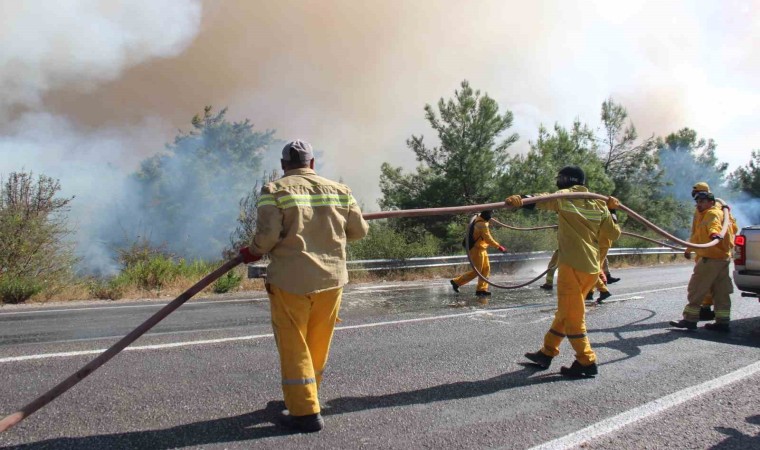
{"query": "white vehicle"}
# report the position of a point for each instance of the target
(747, 261)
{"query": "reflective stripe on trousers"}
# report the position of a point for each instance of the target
(303, 328)
(570, 318)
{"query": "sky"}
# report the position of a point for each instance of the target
(89, 88)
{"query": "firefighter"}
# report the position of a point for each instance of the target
(582, 223)
(711, 269)
(480, 239)
(705, 310)
(303, 223)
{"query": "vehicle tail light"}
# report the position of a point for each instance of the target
(740, 256)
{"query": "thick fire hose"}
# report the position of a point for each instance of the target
(532, 200)
(29, 409)
(104, 357)
(625, 233)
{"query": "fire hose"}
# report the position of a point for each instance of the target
(29, 409)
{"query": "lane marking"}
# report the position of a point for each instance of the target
(252, 337)
(223, 340)
(646, 410)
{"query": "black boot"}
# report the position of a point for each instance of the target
(305, 424)
(602, 297)
(547, 286)
(722, 327)
(590, 296)
(705, 313)
(482, 293)
(454, 286)
(610, 278)
(687, 324)
(578, 370)
(540, 359)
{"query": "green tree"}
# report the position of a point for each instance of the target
(747, 179)
(463, 169)
(34, 251)
(634, 168)
(188, 195)
(536, 171)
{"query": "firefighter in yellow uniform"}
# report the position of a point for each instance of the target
(582, 224)
(712, 266)
(705, 311)
(303, 223)
(480, 239)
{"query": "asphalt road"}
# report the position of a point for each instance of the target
(413, 365)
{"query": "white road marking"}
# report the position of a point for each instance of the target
(647, 410)
(252, 337)
(221, 340)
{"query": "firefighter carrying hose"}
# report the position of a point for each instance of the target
(480, 239)
(304, 222)
(705, 310)
(711, 270)
(582, 223)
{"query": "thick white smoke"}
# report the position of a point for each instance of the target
(77, 45)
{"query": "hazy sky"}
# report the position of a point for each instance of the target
(90, 87)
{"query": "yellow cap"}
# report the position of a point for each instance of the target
(701, 187)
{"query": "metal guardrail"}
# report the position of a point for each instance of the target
(258, 271)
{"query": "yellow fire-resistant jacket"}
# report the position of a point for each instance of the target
(583, 224)
(708, 222)
(733, 228)
(304, 222)
(482, 235)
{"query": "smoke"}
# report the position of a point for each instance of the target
(353, 77)
(76, 46)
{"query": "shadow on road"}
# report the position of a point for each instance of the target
(262, 423)
(251, 426)
(449, 391)
(736, 439)
(744, 332)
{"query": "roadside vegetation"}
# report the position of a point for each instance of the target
(189, 194)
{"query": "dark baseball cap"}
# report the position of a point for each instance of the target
(300, 148)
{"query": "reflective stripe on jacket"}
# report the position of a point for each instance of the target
(304, 222)
(583, 223)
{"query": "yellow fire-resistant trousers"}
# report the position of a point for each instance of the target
(303, 328)
(710, 275)
(570, 318)
(480, 259)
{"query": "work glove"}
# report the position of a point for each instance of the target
(514, 201)
(249, 257)
(715, 236)
(502, 248)
(613, 203)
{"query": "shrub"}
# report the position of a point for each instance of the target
(33, 234)
(112, 289)
(18, 289)
(383, 242)
(227, 282)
